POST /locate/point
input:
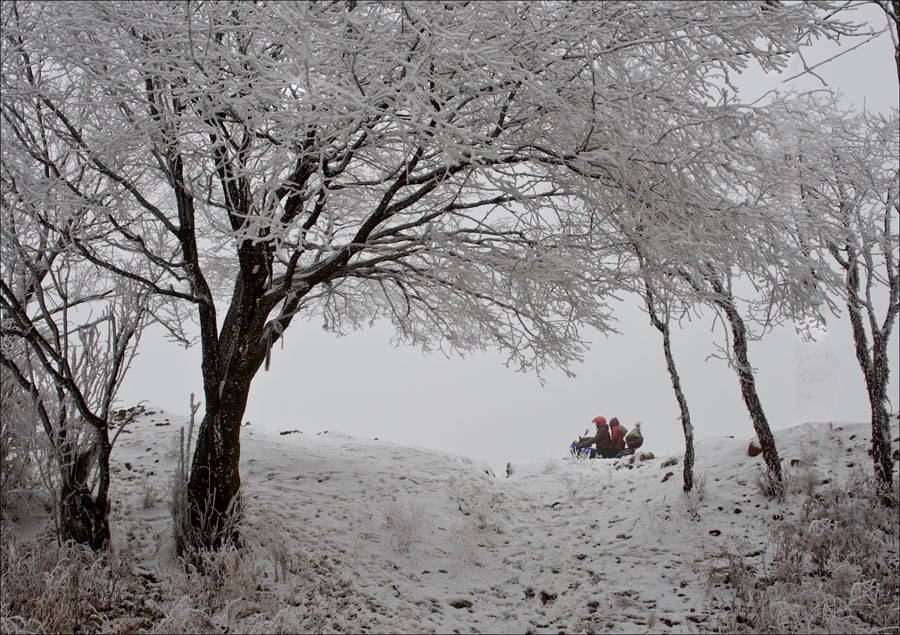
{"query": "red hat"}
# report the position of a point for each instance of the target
(614, 421)
(600, 421)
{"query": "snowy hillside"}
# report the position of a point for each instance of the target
(359, 535)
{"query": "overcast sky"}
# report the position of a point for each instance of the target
(361, 385)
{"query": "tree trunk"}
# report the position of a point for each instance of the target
(230, 362)
(881, 424)
(876, 371)
(775, 484)
(215, 480)
(663, 327)
(83, 517)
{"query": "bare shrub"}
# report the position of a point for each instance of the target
(728, 566)
(222, 577)
(182, 530)
(802, 476)
(18, 434)
(696, 496)
(478, 504)
(576, 488)
(65, 588)
(769, 488)
(149, 497)
(406, 521)
(181, 617)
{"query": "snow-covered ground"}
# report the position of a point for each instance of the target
(360, 535)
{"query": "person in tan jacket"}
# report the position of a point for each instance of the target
(635, 438)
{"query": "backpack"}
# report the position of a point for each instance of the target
(617, 434)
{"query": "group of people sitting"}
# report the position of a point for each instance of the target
(610, 441)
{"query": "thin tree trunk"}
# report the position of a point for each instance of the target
(751, 399)
(663, 327)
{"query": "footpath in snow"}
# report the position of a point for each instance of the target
(348, 534)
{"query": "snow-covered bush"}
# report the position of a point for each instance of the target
(48, 588)
(550, 466)
(221, 578)
(149, 496)
(406, 521)
(17, 439)
(693, 498)
(833, 569)
(802, 476)
(576, 488)
(477, 503)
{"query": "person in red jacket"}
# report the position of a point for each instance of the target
(617, 434)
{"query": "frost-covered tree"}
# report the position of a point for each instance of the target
(355, 161)
(68, 331)
(714, 226)
(891, 10)
(846, 170)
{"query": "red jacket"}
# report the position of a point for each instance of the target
(617, 434)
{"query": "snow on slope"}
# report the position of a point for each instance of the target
(360, 535)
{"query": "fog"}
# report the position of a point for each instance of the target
(475, 406)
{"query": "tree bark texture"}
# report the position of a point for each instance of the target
(229, 365)
(751, 398)
(687, 427)
(84, 517)
(876, 371)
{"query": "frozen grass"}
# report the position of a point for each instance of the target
(831, 570)
(48, 588)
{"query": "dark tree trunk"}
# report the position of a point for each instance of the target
(663, 328)
(751, 399)
(84, 517)
(215, 480)
(876, 371)
(231, 359)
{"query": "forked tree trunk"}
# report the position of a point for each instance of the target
(84, 517)
(876, 371)
(663, 328)
(231, 359)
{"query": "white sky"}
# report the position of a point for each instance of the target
(476, 407)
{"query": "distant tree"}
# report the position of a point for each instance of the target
(847, 171)
(356, 161)
(715, 227)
